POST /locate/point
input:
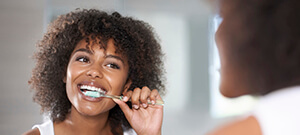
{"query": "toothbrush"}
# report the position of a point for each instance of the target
(97, 94)
(158, 101)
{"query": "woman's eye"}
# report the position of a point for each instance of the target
(82, 59)
(112, 65)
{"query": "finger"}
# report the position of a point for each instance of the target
(127, 96)
(135, 98)
(144, 96)
(124, 107)
(153, 96)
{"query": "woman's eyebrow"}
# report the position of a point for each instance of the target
(84, 50)
(116, 57)
(107, 56)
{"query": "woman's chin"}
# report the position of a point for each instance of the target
(231, 92)
(91, 110)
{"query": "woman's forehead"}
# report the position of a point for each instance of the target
(95, 44)
(108, 47)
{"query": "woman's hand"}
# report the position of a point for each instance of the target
(145, 119)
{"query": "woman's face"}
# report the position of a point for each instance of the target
(234, 75)
(97, 68)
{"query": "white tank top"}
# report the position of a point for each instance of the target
(47, 129)
(278, 113)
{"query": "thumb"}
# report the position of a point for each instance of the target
(124, 107)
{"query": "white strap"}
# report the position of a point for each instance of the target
(45, 128)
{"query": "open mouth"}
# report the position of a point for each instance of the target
(91, 91)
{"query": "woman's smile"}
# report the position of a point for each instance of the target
(91, 86)
(93, 70)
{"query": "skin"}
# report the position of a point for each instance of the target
(145, 119)
(107, 70)
(248, 126)
(234, 75)
(234, 80)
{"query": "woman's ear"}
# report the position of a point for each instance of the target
(64, 79)
(65, 76)
(127, 85)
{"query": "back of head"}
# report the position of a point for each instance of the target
(266, 34)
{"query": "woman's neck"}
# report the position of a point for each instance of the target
(76, 123)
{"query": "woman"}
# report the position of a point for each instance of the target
(259, 46)
(91, 50)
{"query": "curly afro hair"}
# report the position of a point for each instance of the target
(133, 39)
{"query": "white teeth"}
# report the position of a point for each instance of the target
(92, 88)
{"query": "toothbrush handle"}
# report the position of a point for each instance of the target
(158, 101)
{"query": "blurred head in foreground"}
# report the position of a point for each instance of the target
(259, 46)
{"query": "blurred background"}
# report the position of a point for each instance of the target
(186, 29)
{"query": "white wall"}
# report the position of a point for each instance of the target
(21, 25)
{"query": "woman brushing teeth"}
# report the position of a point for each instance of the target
(96, 68)
(88, 53)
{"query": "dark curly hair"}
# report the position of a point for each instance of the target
(266, 39)
(133, 39)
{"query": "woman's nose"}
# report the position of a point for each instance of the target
(94, 72)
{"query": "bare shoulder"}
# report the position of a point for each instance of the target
(34, 131)
(248, 126)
